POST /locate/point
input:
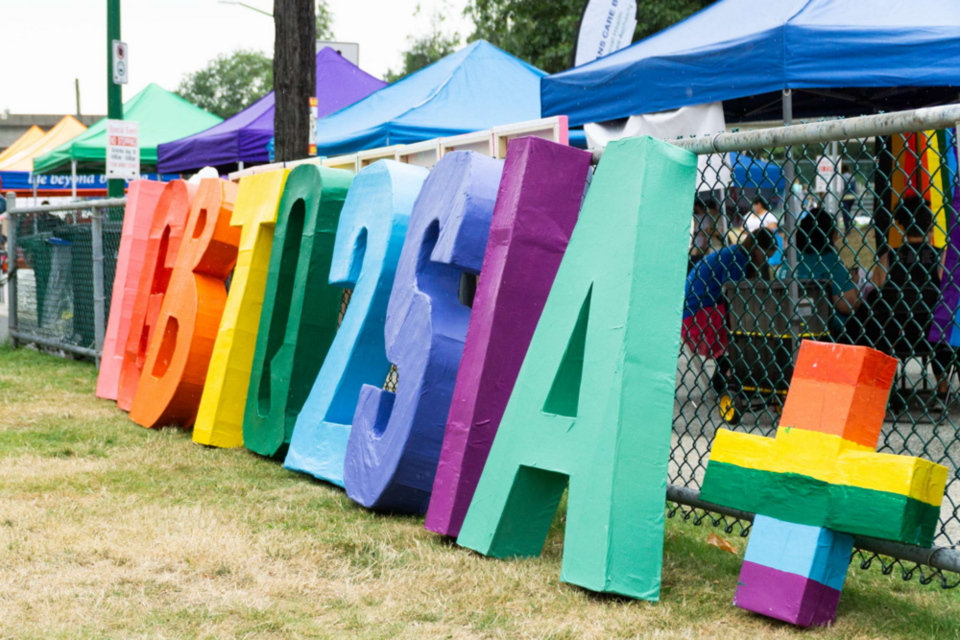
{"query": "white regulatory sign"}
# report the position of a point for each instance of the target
(121, 62)
(123, 150)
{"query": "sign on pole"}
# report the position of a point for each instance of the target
(605, 26)
(120, 62)
(314, 110)
(123, 150)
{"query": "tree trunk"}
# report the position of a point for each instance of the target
(294, 76)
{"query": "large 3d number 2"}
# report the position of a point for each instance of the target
(593, 403)
(163, 244)
(537, 207)
(373, 224)
(395, 440)
(300, 309)
(179, 353)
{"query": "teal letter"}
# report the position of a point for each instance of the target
(593, 404)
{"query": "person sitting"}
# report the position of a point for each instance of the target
(817, 238)
(762, 217)
(704, 313)
(907, 282)
(706, 238)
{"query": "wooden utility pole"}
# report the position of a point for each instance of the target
(294, 76)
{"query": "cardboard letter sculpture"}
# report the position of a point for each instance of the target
(537, 207)
(220, 416)
(593, 403)
(142, 199)
(180, 348)
(819, 483)
(369, 239)
(395, 440)
(163, 244)
(300, 308)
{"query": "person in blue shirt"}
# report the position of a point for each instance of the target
(704, 313)
(817, 238)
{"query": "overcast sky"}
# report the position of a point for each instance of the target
(45, 44)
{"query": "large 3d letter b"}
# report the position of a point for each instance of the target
(180, 348)
(395, 440)
(593, 403)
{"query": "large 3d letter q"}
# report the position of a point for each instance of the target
(395, 440)
(163, 244)
(180, 348)
(220, 416)
(593, 403)
(371, 232)
(142, 199)
(537, 207)
(300, 309)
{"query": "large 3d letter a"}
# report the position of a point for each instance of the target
(593, 404)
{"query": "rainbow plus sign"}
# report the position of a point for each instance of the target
(820, 482)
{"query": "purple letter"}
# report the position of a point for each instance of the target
(395, 440)
(536, 210)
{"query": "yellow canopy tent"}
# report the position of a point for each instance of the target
(22, 160)
(33, 134)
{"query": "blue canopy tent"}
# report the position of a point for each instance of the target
(476, 88)
(817, 57)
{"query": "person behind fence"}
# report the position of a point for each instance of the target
(817, 237)
(706, 238)
(906, 284)
(762, 217)
(704, 313)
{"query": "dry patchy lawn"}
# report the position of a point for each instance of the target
(110, 530)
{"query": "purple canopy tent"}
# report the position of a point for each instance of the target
(244, 137)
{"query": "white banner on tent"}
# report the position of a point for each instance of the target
(606, 26)
(123, 150)
(697, 120)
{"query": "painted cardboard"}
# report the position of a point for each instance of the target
(220, 415)
(180, 348)
(373, 225)
(793, 572)
(142, 199)
(819, 482)
(300, 309)
(394, 444)
(160, 256)
(537, 207)
(593, 403)
(822, 468)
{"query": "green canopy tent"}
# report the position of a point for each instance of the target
(163, 117)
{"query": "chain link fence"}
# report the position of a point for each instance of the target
(852, 239)
(62, 264)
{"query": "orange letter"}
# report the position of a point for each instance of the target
(166, 231)
(180, 349)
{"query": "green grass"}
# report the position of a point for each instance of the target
(111, 530)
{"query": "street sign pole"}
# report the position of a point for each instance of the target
(114, 94)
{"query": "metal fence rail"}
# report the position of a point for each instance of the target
(62, 259)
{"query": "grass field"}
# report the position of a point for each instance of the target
(111, 530)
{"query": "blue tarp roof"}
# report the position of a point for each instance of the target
(743, 49)
(476, 88)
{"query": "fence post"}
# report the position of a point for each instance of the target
(790, 212)
(13, 224)
(96, 232)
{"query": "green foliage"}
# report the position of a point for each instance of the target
(425, 50)
(229, 83)
(543, 32)
(324, 21)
